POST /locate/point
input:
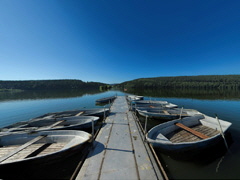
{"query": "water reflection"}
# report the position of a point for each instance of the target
(224, 103)
(188, 93)
(45, 94)
(215, 162)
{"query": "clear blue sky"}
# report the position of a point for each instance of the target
(113, 41)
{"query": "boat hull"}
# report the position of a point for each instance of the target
(67, 123)
(188, 147)
(163, 136)
(157, 116)
(100, 112)
(28, 167)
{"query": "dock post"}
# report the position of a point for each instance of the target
(92, 129)
(104, 114)
(145, 127)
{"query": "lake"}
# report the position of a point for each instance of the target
(219, 164)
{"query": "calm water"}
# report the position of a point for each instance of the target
(216, 165)
(26, 105)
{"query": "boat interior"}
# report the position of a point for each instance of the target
(183, 135)
(21, 148)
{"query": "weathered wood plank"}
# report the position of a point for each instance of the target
(78, 114)
(183, 136)
(52, 148)
(116, 154)
(206, 130)
(56, 123)
(7, 149)
(165, 112)
(203, 136)
(38, 150)
(24, 153)
(20, 148)
(179, 114)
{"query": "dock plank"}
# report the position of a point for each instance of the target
(144, 165)
(118, 151)
(92, 165)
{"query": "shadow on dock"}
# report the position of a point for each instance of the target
(99, 147)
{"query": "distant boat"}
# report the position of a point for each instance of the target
(188, 134)
(167, 114)
(150, 102)
(134, 98)
(66, 123)
(154, 103)
(25, 152)
(80, 112)
(106, 100)
(153, 106)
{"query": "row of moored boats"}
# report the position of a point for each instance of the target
(46, 139)
(179, 130)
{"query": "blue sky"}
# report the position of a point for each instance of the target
(113, 41)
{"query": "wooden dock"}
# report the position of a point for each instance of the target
(119, 150)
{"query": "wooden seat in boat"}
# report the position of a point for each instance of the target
(165, 112)
(194, 132)
(79, 113)
(57, 123)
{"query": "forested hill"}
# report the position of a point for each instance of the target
(49, 84)
(201, 82)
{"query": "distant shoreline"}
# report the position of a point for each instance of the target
(6, 86)
(11, 90)
(221, 82)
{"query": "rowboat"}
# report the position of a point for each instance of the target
(26, 153)
(153, 104)
(106, 100)
(190, 134)
(134, 98)
(154, 109)
(66, 123)
(168, 114)
(100, 112)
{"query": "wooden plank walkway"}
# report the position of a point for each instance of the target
(118, 151)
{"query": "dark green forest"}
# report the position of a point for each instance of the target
(222, 82)
(49, 85)
(230, 82)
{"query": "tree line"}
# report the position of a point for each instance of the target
(181, 82)
(49, 84)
